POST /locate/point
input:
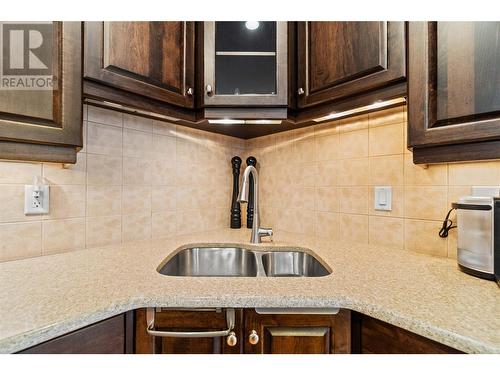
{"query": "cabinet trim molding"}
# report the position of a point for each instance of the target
(457, 153)
(37, 152)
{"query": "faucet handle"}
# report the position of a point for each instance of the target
(266, 232)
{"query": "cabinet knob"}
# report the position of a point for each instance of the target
(189, 91)
(300, 91)
(210, 90)
(253, 338)
(231, 339)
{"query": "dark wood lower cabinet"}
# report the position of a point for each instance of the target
(274, 333)
(372, 336)
(110, 336)
(344, 332)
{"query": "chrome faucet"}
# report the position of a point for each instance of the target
(257, 231)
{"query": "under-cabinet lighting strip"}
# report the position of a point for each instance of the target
(376, 105)
(228, 121)
(132, 110)
(266, 122)
(245, 53)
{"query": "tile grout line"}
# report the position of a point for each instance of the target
(85, 230)
(121, 187)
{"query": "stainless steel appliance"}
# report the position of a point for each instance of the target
(478, 222)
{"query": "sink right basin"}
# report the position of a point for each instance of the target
(292, 264)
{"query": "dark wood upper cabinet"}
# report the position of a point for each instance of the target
(337, 60)
(153, 59)
(196, 71)
(454, 91)
(55, 109)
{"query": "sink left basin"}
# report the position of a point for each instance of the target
(211, 261)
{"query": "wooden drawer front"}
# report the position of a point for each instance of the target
(106, 337)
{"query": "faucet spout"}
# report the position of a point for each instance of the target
(245, 188)
(257, 231)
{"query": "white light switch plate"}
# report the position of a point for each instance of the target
(383, 198)
(34, 206)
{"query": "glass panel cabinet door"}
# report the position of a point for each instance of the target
(245, 63)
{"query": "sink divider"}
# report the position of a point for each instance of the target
(261, 272)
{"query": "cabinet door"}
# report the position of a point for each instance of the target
(152, 59)
(372, 336)
(41, 86)
(297, 334)
(454, 90)
(337, 60)
(110, 336)
(186, 320)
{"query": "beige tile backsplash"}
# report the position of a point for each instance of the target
(351, 156)
(138, 178)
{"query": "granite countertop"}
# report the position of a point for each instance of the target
(42, 298)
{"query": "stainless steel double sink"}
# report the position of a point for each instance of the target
(241, 262)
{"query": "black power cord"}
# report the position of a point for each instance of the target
(447, 225)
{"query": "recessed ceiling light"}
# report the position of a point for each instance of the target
(252, 25)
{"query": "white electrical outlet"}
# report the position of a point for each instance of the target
(486, 191)
(383, 198)
(36, 198)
